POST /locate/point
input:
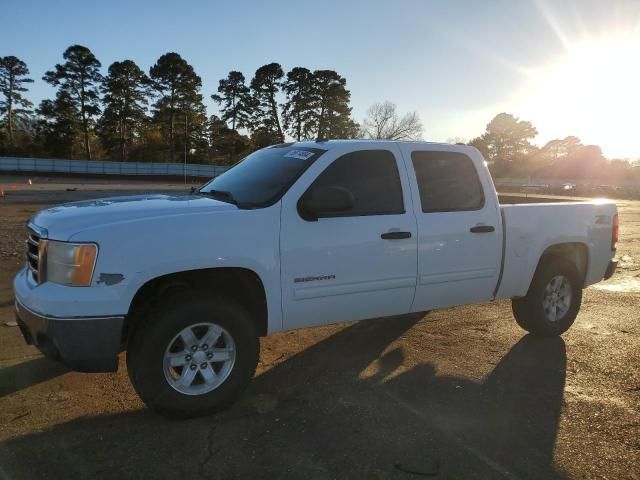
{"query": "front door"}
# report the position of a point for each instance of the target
(354, 264)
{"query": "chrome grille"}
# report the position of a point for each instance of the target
(33, 255)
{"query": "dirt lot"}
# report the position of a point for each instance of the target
(460, 393)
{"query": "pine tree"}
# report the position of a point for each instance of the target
(331, 105)
(58, 125)
(233, 95)
(265, 86)
(79, 79)
(126, 92)
(13, 72)
(298, 110)
(177, 85)
(194, 126)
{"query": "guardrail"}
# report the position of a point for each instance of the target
(560, 182)
(99, 167)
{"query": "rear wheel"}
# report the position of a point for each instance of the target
(553, 300)
(193, 355)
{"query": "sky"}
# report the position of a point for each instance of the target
(570, 67)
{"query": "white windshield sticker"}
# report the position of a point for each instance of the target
(299, 154)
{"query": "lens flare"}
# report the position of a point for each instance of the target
(591, 92)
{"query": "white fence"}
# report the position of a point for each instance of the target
(98, 167)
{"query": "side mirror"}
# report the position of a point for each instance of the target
(324, 201)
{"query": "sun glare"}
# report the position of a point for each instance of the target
(593, 92)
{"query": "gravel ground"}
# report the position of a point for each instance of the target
(459, 393)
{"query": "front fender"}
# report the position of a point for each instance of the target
(134, 253)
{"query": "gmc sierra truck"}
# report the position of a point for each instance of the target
(293, 236)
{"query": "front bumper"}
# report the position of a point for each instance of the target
(611, 269)
(85, 344)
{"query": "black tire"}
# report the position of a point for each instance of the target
(152, 336)
(529, 311)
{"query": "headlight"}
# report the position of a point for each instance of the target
(70, 263)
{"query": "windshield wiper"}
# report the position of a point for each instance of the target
(228, 198)
(220, 195)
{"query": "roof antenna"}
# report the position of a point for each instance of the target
(321, 137)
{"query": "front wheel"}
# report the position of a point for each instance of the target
(553, 300)
(192, 355)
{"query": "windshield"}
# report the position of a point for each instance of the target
(260, 179)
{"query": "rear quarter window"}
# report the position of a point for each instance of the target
(447, 182)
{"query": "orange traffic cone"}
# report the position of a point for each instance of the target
(1, 192)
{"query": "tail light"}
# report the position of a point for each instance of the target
(614, 232)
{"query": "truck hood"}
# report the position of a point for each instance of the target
(63, 221)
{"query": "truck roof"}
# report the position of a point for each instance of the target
(329, 144)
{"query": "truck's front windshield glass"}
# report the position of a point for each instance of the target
(260, 179)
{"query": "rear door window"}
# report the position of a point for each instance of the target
(447, 181)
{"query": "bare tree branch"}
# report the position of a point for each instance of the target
(383, 122)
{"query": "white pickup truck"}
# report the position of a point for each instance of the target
(295, 235)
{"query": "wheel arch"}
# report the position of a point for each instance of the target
(241, 284)
(575, 252)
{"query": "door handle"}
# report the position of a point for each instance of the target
(395, 235)
(482, 229)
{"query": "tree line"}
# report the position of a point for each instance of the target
(129, 114)
(506, 144)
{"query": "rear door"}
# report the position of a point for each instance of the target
(358, 264)
(459, 242)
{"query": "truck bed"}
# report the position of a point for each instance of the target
(530, 229)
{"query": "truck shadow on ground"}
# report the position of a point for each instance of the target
(343, 408)
(29, 373)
